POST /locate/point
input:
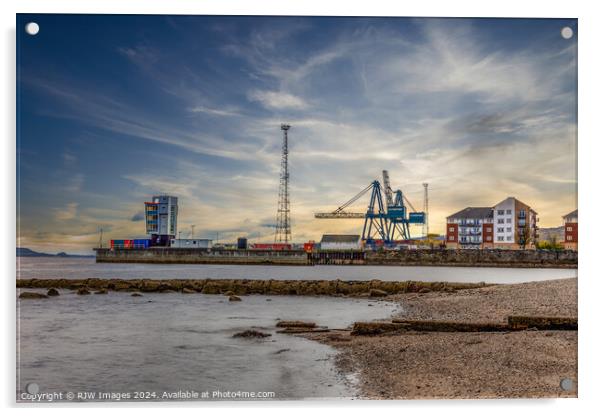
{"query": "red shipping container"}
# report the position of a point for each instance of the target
(308, 247)
(271, 246)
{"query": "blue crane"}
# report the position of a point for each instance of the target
(387, 219)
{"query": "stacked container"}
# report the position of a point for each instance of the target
(129, 244)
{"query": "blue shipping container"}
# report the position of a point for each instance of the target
(142, 243)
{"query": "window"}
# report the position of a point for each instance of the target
(569, 237)
(508, 220)
(500, 220)
(451, 238)
(500, 229)
(500, 238)
(508, 229)
(508, 211)
(488, 238)
(451, 229)
(500, 212)
(569, 228)
(488, 229)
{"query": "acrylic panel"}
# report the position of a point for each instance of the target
(267, 208)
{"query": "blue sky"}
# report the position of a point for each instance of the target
(113, 109)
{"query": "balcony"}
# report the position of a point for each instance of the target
(471, 243)
(465, 223)
(469, 232)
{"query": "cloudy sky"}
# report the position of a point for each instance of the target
(114, 109)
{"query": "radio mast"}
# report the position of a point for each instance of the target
(283, 218)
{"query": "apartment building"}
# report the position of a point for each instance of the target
(470, 228)
(569, 221)
(510, 224)
(515, 224)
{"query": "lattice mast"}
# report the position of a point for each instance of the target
(283, 218)
(425, 225)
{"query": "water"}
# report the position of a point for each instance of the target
(168, 342)
(172, 342)
(77, 268)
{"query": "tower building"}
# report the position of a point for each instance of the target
(161, 217)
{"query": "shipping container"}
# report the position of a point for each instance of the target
(141, 243)
(129, 244)
(117, 243)
(242, 243)
(271, 246)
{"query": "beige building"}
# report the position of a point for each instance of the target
(510, 224)
(514, 224)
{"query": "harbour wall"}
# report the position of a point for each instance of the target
(167, 255)
(476, 258)
(461, 258)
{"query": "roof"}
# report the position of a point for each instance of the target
(474, 212)
(518, 201)
(571, 214)
(340, 238)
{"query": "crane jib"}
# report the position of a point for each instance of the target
(385, 219)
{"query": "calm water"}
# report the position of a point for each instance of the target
(53, 268)
(159, 343)
(117, 343)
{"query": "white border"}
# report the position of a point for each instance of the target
(589, 176)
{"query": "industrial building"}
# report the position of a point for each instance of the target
(161, 217)
(340, 242)
(510, 224)
(190, 243)
(571, 230)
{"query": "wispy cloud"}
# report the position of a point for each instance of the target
(68, 212)
(139, 216)
(214, 111)
(277, 100)
(474, 109)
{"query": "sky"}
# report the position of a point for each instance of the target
(112, 109)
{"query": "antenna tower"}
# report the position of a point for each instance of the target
(283, 218)
(425, 225)
(100, 239)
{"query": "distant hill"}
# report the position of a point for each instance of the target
(26, 252)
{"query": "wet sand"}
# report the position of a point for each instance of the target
(423, 365)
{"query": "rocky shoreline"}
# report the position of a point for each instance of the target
(428, 365)
(450, 340)
(365, 288)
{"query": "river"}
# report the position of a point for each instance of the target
(171, 343)
(78, 268)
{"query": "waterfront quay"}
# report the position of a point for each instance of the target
(420, 257)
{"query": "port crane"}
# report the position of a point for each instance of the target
(387, 219)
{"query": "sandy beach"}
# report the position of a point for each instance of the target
(423, 365)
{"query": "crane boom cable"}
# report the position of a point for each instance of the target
(409, 203)
(355, 198)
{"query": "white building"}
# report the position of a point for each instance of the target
(514, 224)
(340, 242)
(161, 217)
(191, 243)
